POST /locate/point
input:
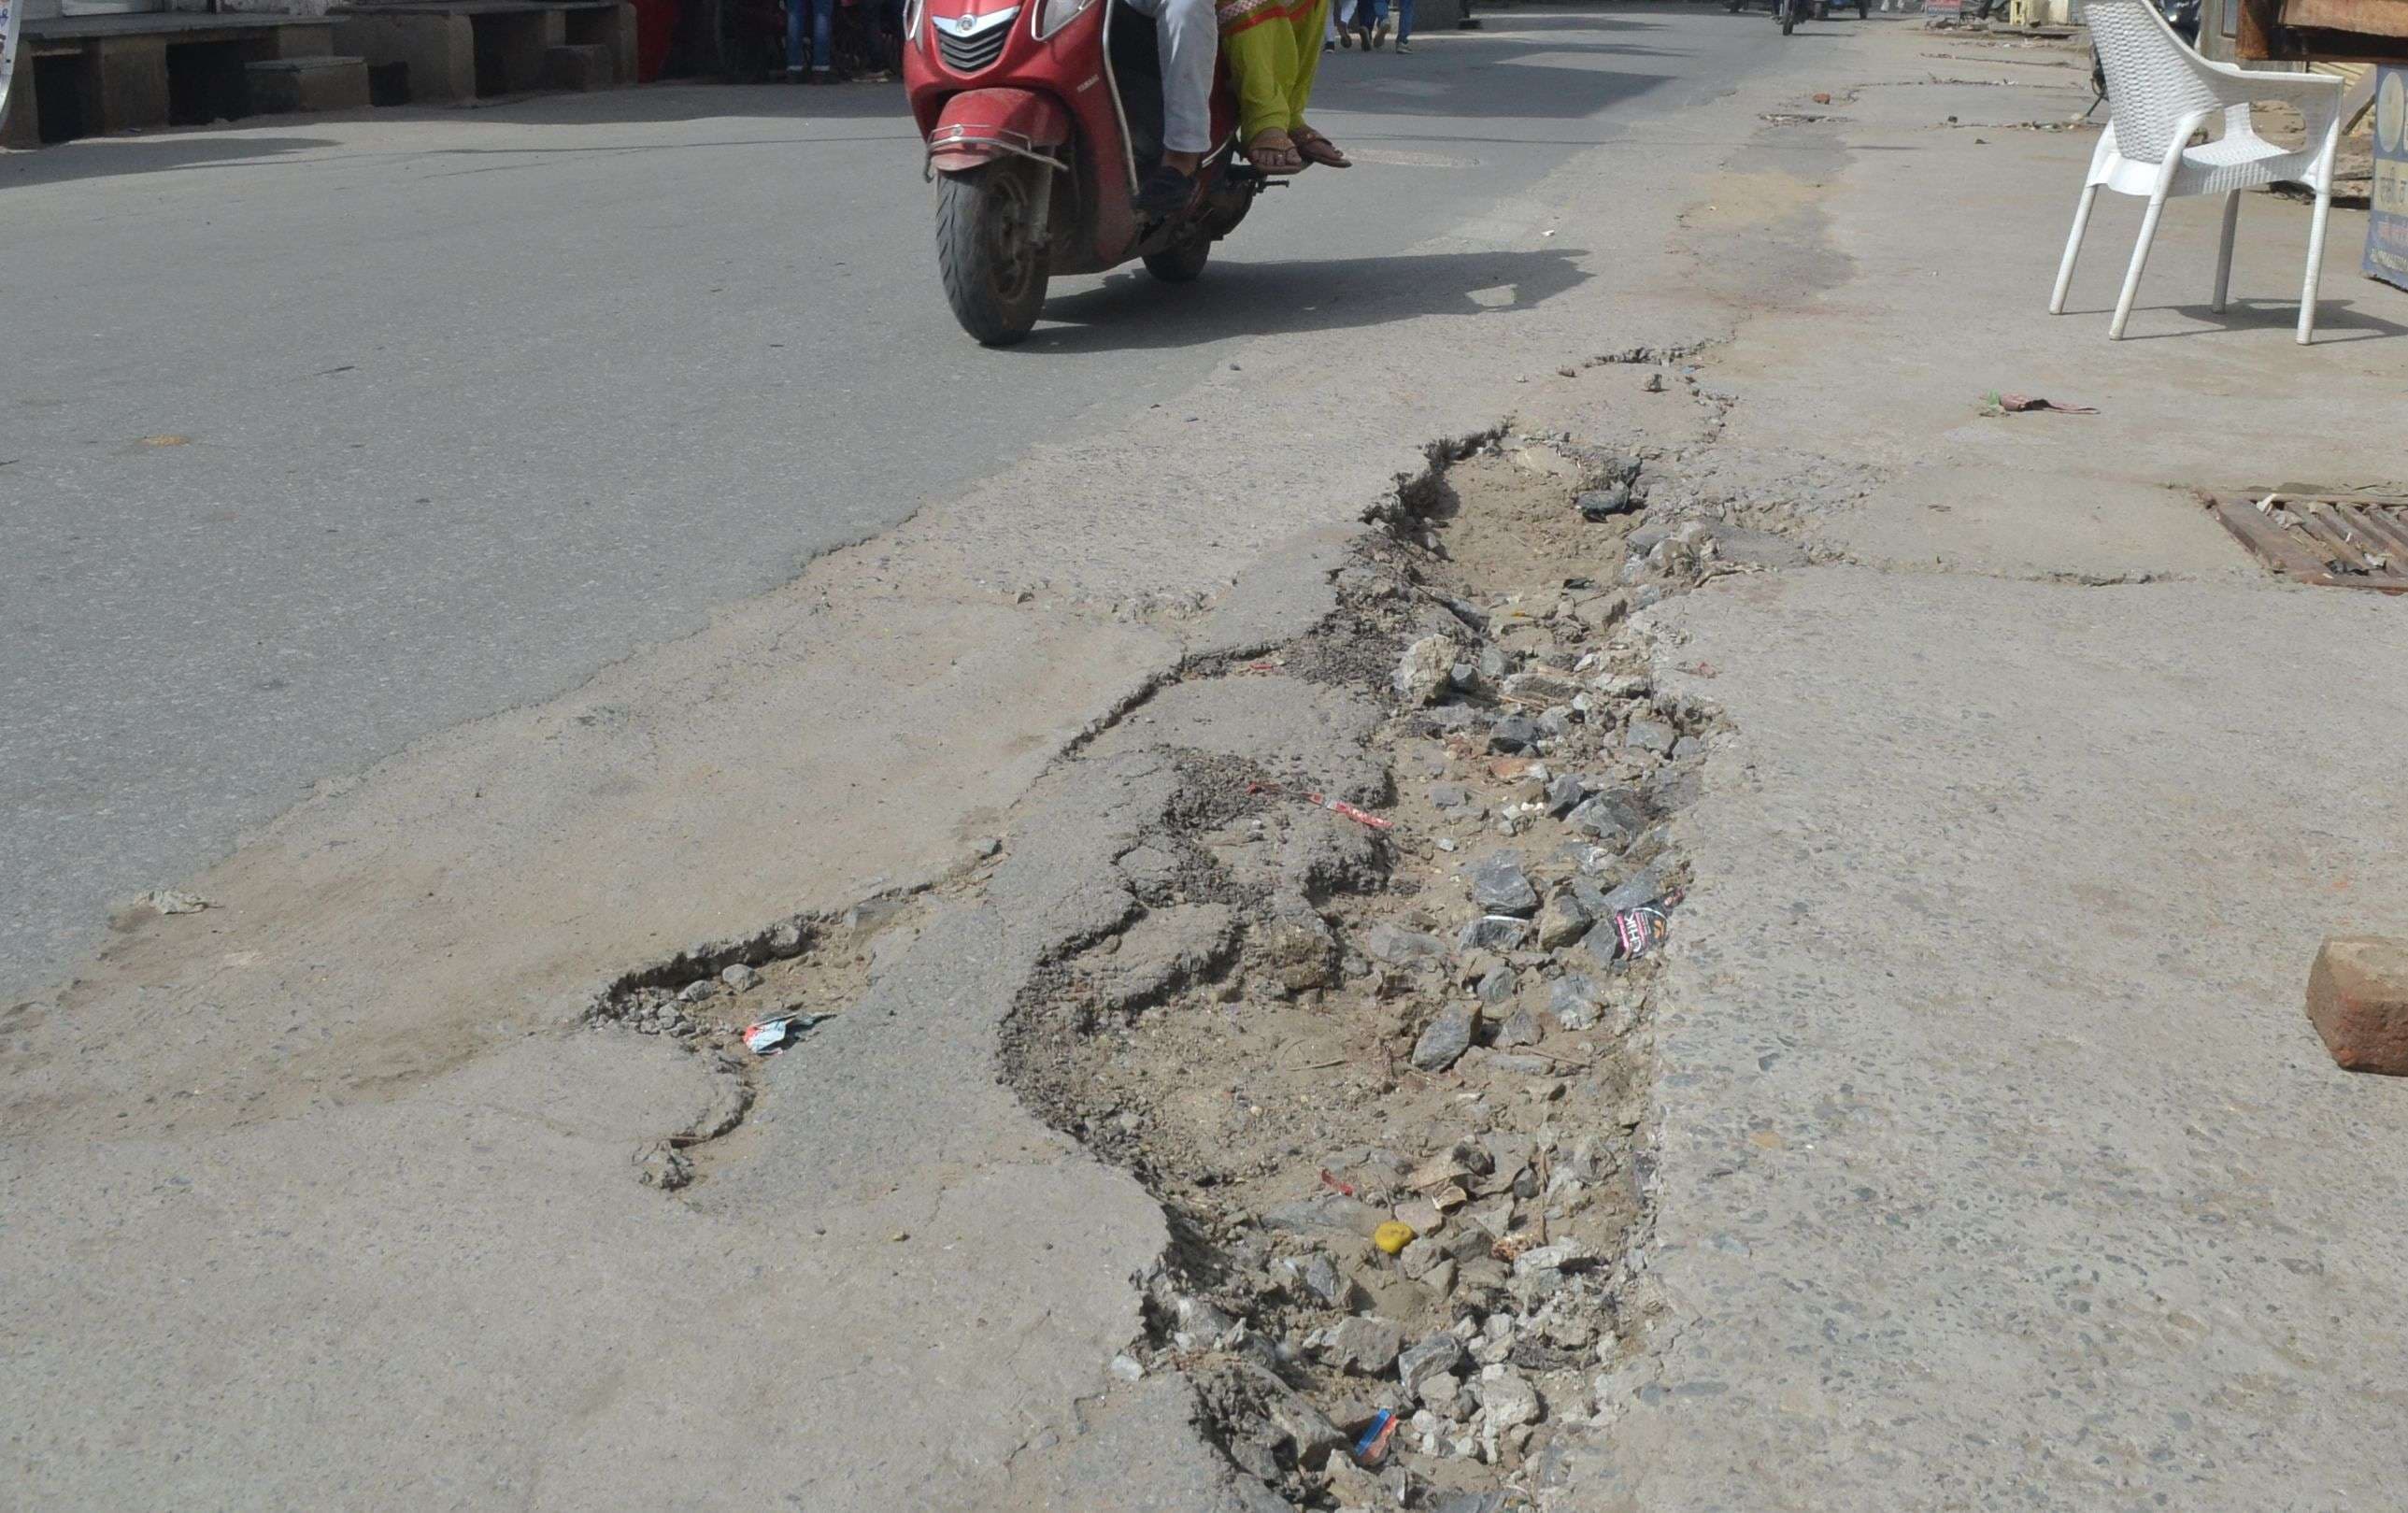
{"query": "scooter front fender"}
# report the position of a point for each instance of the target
(977, 126)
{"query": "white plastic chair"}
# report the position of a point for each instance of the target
(2159, 92)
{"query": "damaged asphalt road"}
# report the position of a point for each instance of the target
(334, 1190)
(1959, 1146)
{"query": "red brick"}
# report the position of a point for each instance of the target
(2358, 999)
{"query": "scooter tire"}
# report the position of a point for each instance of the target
(1788, 15)
(1182, 263)
(994, 262)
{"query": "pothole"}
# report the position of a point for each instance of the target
(1388, 1072)
(779, 985)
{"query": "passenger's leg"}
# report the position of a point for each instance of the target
(1260, 39)
(794, 35)
(1189, 37)
(824, 40)
(1306, 27)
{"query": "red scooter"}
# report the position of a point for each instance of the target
(1041, 117)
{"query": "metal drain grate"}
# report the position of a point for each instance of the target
(2333, 540)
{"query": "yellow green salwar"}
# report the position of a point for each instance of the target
(1273, 47)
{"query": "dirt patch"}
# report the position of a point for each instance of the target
(1388, 1073)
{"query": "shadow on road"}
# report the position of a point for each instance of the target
(2337, 320)
(100, 157)
(1133, 310)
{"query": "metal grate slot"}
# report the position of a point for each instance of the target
(2337, 541)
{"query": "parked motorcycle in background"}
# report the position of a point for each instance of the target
(1790, 13)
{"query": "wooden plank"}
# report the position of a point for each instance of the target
(2381, 527)
(2264, 32)
(2321, 531)
(2254, 39)
(2362, 18)
(2270, 544)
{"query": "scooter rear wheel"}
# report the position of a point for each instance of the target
(1182, 263)
(989, 251)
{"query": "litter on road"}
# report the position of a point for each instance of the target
(168, 901)
(1371, 1447)
(1639, 931)
(770, 1036)
(1336, 806)
(2017, 404)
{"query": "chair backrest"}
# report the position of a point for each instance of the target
(2152, 79)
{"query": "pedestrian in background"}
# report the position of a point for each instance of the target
(1371, 23)
(822, 69)
(882, 36)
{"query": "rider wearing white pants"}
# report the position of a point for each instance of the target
(1189, 37)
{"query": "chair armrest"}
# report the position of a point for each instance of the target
(2237, 86)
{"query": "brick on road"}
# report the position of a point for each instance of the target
(2358, 999)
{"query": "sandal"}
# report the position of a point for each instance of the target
(1272, 152)
(1314, 148)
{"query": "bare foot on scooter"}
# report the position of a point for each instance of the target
(1272, 152)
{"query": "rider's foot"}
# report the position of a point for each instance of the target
(1169, 187)
(1165, 191)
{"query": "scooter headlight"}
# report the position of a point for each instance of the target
(1052, 15)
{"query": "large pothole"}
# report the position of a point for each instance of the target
(1387, 1071)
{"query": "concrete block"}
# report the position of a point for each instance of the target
(129, 82)
(22, 126)
(439, 51)
(583, 68)
(283, 84)
(614, 26)
(2358, 999)
(623, 41)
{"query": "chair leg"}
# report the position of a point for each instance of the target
(2224, 253)
(2073, 247)
(2315, 266)
(2139, 261)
